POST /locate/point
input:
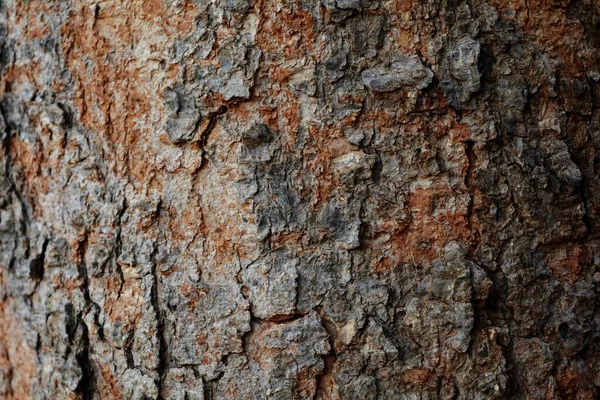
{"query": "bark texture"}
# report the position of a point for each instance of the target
(326, 199)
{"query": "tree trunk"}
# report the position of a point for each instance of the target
(325, 199)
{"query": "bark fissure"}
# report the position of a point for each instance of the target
(163, 349)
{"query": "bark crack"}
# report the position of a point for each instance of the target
(86, 383)
(163, 349)
(471, 188)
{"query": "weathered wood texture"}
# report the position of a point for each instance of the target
(327, 199)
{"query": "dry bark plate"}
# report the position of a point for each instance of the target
(299, 199)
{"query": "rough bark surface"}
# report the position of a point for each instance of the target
(326, 199)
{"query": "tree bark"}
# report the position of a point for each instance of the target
(325, 199)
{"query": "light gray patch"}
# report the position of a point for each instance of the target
(279, 357)
(404, 73)
(183, 116)
(353, 167)
(271, 283)
(342, 223)
(182, 383)
(237, 6)
(366, 32)
(461, 76)
(559, 161)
